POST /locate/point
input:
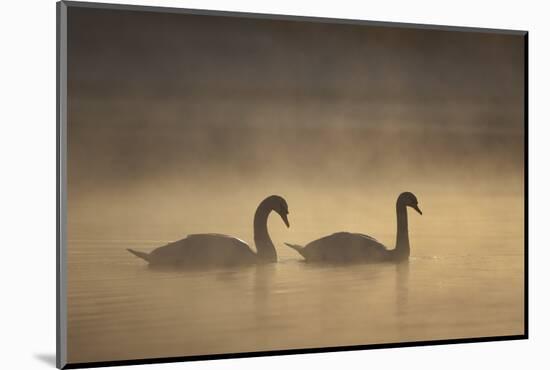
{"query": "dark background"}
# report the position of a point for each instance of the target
(162, 105)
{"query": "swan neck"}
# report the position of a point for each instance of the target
(264, 245)
(402, 247)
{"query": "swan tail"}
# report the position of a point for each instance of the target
(296, 247)
(139, 254)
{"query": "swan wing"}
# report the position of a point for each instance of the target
(345, 247)
(367, 237)
(344, 238)
(204, 249)
(218, 238)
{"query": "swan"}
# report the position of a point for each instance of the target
(198, 250)
(345, 247)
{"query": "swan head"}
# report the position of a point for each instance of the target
(279, 205)
(408, 199)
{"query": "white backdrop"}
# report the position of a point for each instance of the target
(27, 148)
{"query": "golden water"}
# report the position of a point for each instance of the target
(464, 278)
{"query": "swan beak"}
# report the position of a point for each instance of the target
(285, 219)
(417, 209)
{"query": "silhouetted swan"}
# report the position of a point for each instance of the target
(199, 250)
(347, 247)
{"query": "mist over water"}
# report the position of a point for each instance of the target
(174, 131)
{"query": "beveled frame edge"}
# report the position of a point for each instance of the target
(61, 190)
(301, 351)
(284, 17)
(61, 183)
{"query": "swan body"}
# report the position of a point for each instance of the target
(199, 250)
(345, 247)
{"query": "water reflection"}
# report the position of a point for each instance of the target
(401, 288)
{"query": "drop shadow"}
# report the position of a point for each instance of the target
(47, 358)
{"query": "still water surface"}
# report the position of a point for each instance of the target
(457, 284)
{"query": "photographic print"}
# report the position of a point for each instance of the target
(238, 184)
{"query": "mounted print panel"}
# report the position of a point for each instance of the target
(238, 184)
